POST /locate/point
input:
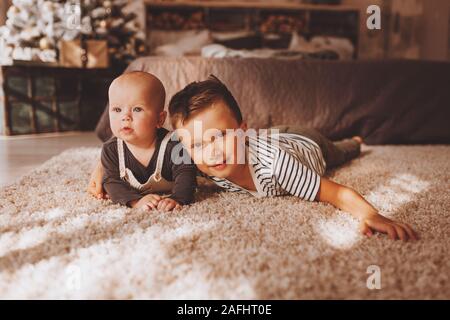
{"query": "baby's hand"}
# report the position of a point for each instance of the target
(148, 202)
(395, 230)
(168, 204)
(95, 187)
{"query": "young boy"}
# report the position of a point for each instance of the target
(290, 161)
(137, 161)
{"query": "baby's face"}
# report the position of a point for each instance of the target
(134, 117)
(209, 138)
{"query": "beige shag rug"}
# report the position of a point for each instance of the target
(57, 242)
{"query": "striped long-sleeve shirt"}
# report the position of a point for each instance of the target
(282, 164)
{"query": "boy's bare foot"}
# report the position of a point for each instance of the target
(358, 139)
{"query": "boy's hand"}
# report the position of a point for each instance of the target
(168, 204)
(95, 187)
(351, 201)
(395, 230)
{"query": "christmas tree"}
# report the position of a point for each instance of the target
(34, 28)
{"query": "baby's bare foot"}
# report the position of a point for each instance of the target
(358, 139)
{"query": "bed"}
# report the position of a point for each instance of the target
(393, 101)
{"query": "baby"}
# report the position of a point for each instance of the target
(137, 163)
(289, 161)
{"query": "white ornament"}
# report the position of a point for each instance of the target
(70, 35)
(86, 27)
(116, 23)
(47, 55)
(29, 33)
(22, 54)
(99, 12)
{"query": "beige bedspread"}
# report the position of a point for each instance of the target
(384, 101)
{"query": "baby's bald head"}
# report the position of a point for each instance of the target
(138, 87)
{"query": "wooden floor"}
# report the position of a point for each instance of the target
(20, 154)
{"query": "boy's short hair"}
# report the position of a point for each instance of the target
(197, 96)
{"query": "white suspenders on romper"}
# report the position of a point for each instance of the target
(156, 182)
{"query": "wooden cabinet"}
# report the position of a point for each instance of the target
(38, 99)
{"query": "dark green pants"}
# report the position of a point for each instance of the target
(335, 153)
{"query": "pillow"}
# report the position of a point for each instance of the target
(277, 40)
(158, 38)
(190, 44)
(238, 39)
(341, 46)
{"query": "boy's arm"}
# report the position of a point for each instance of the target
(349, 200)
(183, 174)
(344, 198)
(185, 183)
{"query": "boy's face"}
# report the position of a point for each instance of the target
(133, 115)
(211, 147)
